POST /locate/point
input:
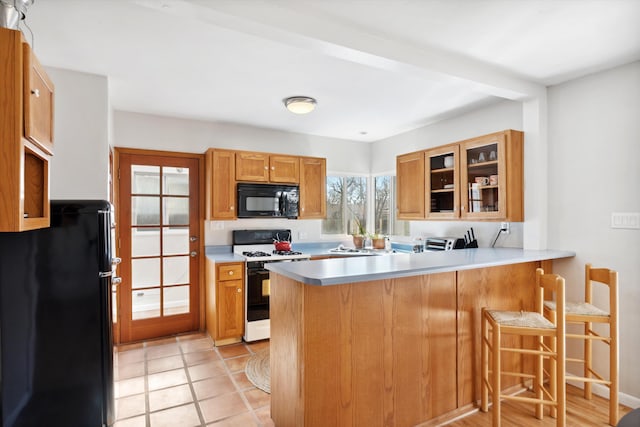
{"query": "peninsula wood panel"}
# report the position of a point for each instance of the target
(369, 353)
(509, 287)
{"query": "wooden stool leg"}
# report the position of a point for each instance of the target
(495, 383)
(538, 380)
(587, 361)
(553, 369)
(485, 363)
(613, 373)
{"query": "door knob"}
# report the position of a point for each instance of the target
(193, 238)
(193, 254)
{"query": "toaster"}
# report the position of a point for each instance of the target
(443, 243)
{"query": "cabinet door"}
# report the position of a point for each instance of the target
(410, 179)
(38, 102)
(229, 309)
(221, 185)
(284, 169)
(491, 177)
(442, 182)
(252, 166)
(313, 188)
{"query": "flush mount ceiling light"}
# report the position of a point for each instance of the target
(300, 104)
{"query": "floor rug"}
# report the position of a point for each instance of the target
(258, 370)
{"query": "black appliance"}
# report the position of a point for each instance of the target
(55, 320)
(267, 200)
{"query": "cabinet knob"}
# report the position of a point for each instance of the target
(36, 92)
(116, 280)
(239, 290)
(230, 272)
(273, 168)
(266, 167)
(230, 208)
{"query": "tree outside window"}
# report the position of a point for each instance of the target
(346, 202)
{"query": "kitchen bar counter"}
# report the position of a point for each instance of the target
(360, 269)
(396, 340)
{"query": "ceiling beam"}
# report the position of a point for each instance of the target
(300, 26)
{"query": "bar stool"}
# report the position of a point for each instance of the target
(586, 313)
(496, 323)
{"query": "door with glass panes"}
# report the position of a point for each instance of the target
(159, 243)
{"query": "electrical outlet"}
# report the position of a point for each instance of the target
(218, 225)
(504, 226)
(302, 235)
(629, 220)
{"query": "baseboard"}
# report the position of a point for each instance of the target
(603, 391)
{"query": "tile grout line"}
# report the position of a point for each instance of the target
(196, 403)
(242, 396)
(147, 412)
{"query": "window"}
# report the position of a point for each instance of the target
(384, 213)
(346, 205)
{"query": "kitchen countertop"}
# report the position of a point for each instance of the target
(222, 253)
(365, 268)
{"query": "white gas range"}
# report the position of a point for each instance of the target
(257, 247)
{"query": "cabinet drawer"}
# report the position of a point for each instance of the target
(229, 272)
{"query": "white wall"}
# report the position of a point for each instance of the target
(594, 170)
(80, 165)
(499, 116)
(144, 131)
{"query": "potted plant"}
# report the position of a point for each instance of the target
(359, 234)
(377, 241)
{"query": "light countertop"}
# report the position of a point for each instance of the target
(359, 269)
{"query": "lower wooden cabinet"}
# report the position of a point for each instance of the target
(225, 301)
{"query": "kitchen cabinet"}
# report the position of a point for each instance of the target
(482, 180)
(442, 182)
(225, 301)
(221, 184)
(263, 167)
(410, 183)
(491, 177)
(313, 178)
(26, 136)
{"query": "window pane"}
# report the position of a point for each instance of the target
(356, 188)
(145, 272)
(145, 242)
(335, 215)
(176, 211)
(176, 181)
(145, 304)
(176, 300)
(145, 210)
(176, 270)
(145, 179)
(382, 209)
(175, 240)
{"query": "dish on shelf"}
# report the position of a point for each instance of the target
(448, 186)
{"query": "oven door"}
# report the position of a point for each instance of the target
(258, 289)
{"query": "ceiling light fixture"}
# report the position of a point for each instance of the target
(300, 104)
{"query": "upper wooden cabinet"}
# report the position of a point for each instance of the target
(263, 167)
(442, 182)
(491, 177)
(479, 179)
(313, 178)
(38, 102)
(410, 183)
(221, 184)
(226, 167)
(24, 163)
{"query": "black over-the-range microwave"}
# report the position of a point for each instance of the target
(267, 200)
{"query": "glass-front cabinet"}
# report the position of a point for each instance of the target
(491, 177)
(441, 182)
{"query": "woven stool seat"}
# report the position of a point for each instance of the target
(578, 308)
(520, 319)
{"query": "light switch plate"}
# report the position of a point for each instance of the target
(629, 220)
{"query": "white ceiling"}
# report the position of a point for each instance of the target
(376, 67)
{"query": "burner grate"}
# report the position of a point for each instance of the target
(287, 253)
(252, 254)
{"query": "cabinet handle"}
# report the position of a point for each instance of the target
(239, 290)
(36, 92)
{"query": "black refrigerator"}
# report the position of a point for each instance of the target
(56, 344)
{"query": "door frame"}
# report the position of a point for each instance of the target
(118, 151)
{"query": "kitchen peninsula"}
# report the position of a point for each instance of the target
(389, 340)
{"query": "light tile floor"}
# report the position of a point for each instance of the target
(185, 381)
